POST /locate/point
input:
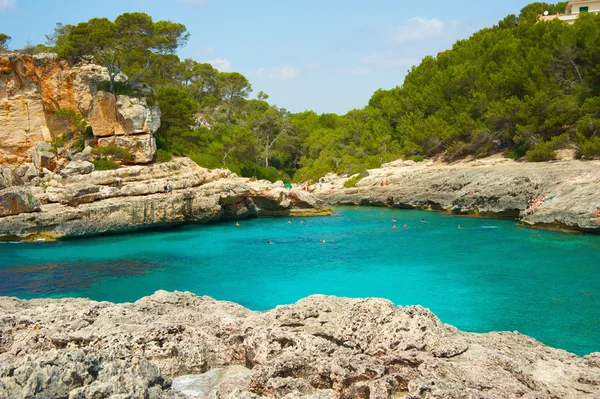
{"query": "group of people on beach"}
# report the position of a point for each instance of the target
(535, 202)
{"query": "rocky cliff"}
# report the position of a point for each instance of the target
(78, 201)
(33, 88)
(320, 348)
(498, 188)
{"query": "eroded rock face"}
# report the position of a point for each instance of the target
(141, 146)
(74, 168)
(499, 188)
(321, 347)
(78, 201)
(34, 87)
(16, 200)
(43, 157)
(9, 178)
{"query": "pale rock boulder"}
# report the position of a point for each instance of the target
(302, 199)
(14, 201)
(9, 178)
(85, 155)
(137, 116)
(43, 157)
(79, 194)
(77, 168)
(27, 171)
(103, 115)
(54, 194)
(141, 146)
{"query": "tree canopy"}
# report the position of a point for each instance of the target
(4, 39)
(114, 44)
(522, 88)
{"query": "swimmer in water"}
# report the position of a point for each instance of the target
(323, 241)
(394, 227)
(290, 221)
(302, 221)
(394, 220)
(269, 242)
(237, 224)
(459, 226)
(405, 226)
(422, 220)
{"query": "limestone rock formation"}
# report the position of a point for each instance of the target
(77, 168)
(34, 87)
(14, 201)
(43, 157)
(495, 188)
(321, 347)
(141, 146)
(9, 178)
(78, 201)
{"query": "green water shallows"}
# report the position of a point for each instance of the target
(492, 275)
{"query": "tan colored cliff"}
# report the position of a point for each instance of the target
(33, 88)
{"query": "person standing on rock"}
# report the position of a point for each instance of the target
(166, 186)
(170, 186)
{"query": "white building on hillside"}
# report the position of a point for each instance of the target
(574, 8)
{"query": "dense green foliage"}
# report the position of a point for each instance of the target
(522, 88)
(131, 44)
(520, 84)
(104, 164)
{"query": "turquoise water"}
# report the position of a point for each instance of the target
(492, 275)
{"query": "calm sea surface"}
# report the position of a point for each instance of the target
(492, 275)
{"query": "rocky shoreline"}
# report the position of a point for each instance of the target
(495, 188)
(133, 198)
(321, 347)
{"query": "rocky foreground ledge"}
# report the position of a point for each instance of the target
(321, 348)
(497, 188)
(132, 198)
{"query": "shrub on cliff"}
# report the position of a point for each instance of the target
(588, 136)
(352, 181)
(541, 153)
(114, 151)
(163, 156)
(104, 164)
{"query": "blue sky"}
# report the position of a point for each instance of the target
(328, 56)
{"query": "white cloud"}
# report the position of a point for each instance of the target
(388, 59)
(278, 73)
(7, 4)
(221, 64)
(417, 29)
